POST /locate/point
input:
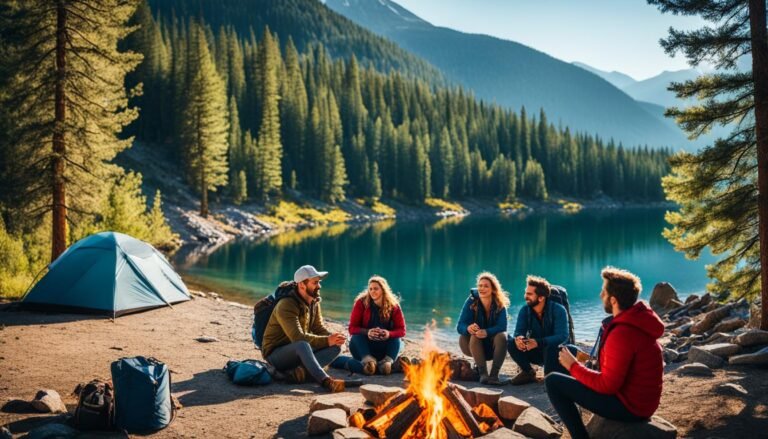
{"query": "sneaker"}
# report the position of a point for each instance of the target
(296, 375)
(524, 377)
(385, 366)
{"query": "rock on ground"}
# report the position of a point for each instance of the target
(376, 394)
(695, 369)
(510, 407)
(503, 433)
(656, 428)
(537, 425)
(753, 337)
(325, 421)
(721, 349)
(664, 297)
(48, 401)
(699, 355)
(731, 389)
(350, 433)
(759, 358)
(489, 397)
(349, 402)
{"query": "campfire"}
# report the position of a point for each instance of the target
(431, 407)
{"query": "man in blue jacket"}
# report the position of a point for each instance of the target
(541, 328)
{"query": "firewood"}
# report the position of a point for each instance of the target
(451, 432)
(485, 415)
(465, 411)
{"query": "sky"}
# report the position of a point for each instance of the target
(621, 35)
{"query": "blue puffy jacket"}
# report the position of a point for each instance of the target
(493, 325)
(552, 330)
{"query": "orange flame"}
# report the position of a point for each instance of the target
(427, 381)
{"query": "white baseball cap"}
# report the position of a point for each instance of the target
(308, 272)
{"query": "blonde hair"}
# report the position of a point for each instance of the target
(388, 299)
(500, 296)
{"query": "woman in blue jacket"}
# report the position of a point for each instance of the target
(483, 327)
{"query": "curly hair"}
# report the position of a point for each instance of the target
(388, 299)
(500, 296)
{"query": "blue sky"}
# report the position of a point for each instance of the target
(620, 35)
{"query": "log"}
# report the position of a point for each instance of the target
(392, 402)
(450, 430)
(711, 319)
(484, 414)
(464, 410)
(394, 422)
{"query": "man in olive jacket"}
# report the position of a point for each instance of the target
(296, 341)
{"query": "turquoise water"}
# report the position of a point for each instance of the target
(433, 264)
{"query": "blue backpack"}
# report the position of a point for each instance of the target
(262, 310)
(248, 372)
(560, 295)
(142, 394)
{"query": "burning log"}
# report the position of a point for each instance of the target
(463, 409)
(394, 423)
(450, 430)
(486, 416)
(361, 416)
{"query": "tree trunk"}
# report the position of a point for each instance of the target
(757, 23)
(203, 183)
(59, 232)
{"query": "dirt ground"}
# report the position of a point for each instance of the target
(58, 351)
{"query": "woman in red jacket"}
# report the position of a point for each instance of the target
(377, 327)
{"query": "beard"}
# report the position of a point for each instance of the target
(313, 293)
(532, 303)
(607, 307)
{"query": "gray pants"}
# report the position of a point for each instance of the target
(483, 349)
(299, 353)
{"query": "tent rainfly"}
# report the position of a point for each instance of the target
(107, 273)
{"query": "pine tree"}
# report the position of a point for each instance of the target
(534, 185)
(722, 190)
(68, 102)
(160, 233)
(269, 149)
(205, 121)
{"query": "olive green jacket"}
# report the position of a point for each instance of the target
(293, 320)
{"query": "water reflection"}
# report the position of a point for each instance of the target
(433, 264)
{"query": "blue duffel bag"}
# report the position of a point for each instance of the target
(248, 372)
(142, 394)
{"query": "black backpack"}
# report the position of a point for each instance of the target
(95, 406)
(262, 310)
(560, 295)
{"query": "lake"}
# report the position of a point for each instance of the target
(433, 264)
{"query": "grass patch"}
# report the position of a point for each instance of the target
(285, 213)
(572, 207)
(443, 205)
(383, 209)
(511, 206)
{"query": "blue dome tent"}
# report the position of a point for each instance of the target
(107, 273)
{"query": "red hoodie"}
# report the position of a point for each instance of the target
(631, 361)
(361, 316)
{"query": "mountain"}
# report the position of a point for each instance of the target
(618, 79)
(655, 89)
(515, 75)
(307, 22)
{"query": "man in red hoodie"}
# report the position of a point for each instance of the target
(627, 386)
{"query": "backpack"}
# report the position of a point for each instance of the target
(95, 406)
(142, 394)
(560, 295)
(262, 311)
(248, 372)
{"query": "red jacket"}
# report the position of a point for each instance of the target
(361, 316)
(631, 361)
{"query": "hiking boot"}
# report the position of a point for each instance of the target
(296, 375)
(484, 379)
(337, 385)
(385, 366)
(494, 380)
(369, 365)
(524, 377)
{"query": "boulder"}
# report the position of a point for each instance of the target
(325, 421)
(691, 298)
(712, 318)
(671, 355)
(511, 407)
(377, 394)
(695, 369)
(753, 337)
(731, 389)
(350, 433)
(349, 402)
(655, 428)
(664, 297)
(699, 355)
(720, 349)
(489, 397)
(759, 358)
(719, 337)
(729, 325)
(537, 425)
(503, 433)
(48, 401)
(682, 330)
